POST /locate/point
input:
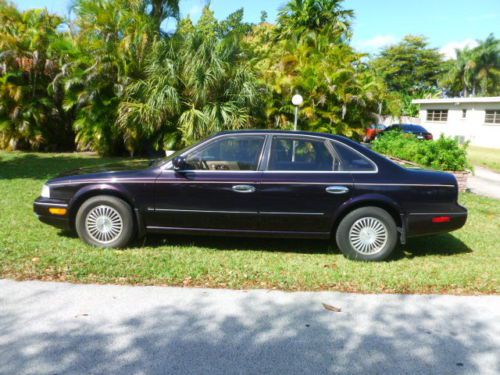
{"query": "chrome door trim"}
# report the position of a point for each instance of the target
(292, 213)
(50, 204)
(202, 211)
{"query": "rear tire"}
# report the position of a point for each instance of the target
(368, 234)
(105, 221)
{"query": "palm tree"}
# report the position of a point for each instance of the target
(310, 56)
(476, 70)
(487, 69)
(162, 9)
(298, 18)
(113, 41)
(196, 84)
(32, 51)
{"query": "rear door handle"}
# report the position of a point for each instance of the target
(243, 188)
(337, 189)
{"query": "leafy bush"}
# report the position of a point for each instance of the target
(443, 154)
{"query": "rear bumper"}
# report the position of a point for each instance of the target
(419, 224)
(41, 208)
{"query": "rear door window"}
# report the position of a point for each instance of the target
(300, 154)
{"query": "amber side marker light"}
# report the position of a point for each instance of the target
(441, 219)
(58, 211)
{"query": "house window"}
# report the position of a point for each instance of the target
(464, 113)
(440, 115)
(492, 116)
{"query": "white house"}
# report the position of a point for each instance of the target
(469, 119)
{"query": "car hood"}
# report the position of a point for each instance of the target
(108, 168)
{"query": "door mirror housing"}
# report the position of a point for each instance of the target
(179, 163)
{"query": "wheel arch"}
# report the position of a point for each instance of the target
(90, 191)
(372, 200)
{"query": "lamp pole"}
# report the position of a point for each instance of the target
(297, 101)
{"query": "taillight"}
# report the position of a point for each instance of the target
(428, 136)
(441, 219)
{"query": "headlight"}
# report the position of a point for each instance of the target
(45, 191)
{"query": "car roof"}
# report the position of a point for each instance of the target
(284, 132)
(407, 125)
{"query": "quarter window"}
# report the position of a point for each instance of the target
(299, 154)
(438, 115)
(492, 116)
(240, 153)
(350, 160)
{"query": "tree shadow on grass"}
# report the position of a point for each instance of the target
(45, 166)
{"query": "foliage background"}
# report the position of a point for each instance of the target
(111, 80)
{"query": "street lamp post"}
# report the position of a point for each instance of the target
(297, 101)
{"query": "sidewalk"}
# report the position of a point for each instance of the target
(60, 328)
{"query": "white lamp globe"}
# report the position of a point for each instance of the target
(297, 100)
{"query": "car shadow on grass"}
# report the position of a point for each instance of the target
(441, 245)
(286, 245)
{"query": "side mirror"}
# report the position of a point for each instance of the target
(179, 163)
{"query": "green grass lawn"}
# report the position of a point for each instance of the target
(485, 157)
(464, 262)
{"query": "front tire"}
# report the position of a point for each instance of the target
(105, 221)
(368, 234)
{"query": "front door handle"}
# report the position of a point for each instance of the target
(337, 189)
(243, 188)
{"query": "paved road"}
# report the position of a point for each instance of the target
(57, 328)
(485, 182)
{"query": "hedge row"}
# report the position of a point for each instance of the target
(441, 154)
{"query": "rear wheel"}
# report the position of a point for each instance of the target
(367, 233)
(105, 221)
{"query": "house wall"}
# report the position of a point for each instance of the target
(472, 128)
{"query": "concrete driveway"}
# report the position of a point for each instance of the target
(484, 182)
(57, 328)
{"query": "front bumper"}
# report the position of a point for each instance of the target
(41, 208)
(419, 224)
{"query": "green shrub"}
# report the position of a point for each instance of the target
(442, 154)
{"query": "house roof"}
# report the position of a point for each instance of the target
(485, 99)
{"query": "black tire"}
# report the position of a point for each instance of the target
(118, 209)
(385, 245)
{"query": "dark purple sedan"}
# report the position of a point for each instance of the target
(260, 183)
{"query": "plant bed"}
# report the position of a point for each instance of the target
(444, 154)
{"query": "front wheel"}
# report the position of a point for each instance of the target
(367, 233)
(105, 221)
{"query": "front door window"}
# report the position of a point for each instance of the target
(238, 153)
